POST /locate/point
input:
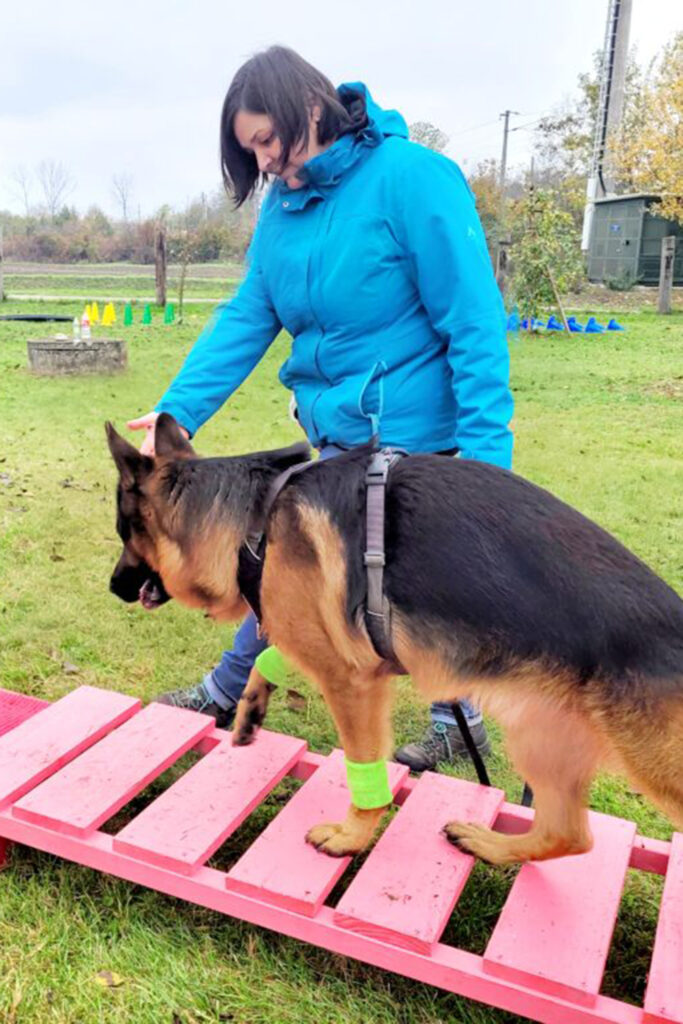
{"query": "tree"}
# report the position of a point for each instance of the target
(428, 135)
(56, 182)
(563, 140)
(122, 191)
(546, 252)
(485, 183)
(21, 179)
(649, 150)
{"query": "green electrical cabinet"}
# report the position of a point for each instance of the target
(626, 240)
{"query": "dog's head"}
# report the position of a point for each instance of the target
(182, 519)
(136, 576)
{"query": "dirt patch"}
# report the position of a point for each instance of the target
(672, 388)
(599, 297)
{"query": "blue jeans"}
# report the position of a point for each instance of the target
(227, 680)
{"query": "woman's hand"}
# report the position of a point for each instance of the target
(148, 422)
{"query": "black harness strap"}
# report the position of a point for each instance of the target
(250, 555)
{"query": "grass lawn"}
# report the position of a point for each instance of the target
(599, 421)
(117, 289)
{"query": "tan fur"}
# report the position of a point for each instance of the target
(203, 573)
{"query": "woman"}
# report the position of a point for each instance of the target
(370, 253)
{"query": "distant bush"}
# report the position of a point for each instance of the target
(624, 281)
(217, 232)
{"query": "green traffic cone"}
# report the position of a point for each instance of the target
(169, 314)
(147, 314)
(127, 315)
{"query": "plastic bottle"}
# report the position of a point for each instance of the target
(77, 331)
(85, 329)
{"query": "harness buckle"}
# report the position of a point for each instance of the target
(374, 559)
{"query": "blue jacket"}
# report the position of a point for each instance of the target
(378, 268)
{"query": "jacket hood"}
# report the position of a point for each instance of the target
(389, 122)
(325, 170)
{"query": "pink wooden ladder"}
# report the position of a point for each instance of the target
(66, 768)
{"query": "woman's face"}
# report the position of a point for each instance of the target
(256, 135)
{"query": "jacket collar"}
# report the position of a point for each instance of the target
(325, 171)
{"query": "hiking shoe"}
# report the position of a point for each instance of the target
(197, 699)
(441, 742)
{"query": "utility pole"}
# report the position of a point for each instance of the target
(610, 107)
(501, 248)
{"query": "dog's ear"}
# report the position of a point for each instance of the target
(283, 458)
(169, 440)
(131, 464)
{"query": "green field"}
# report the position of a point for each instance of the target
(599, 421)
(103, 288)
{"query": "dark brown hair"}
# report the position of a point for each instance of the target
(279, 83)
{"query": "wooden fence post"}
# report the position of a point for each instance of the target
(2, 288)
(666, 274)
(160, 264)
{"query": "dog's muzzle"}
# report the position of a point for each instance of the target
(139, 583)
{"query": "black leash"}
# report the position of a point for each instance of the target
(477, 759)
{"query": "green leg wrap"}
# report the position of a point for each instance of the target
(368, 784)
(273, 666)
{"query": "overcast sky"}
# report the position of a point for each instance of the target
(137, 87)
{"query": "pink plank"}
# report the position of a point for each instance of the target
(191, 819)
(664, 995)
(98, 783)
(280, 867)
(407, 888)
(554, 931)
(15, 708)
(44, 743)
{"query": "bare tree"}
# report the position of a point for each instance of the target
(122, 190)
(56, 182)
(21, 180)
(428, 135)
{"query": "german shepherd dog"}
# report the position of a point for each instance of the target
(499, 592)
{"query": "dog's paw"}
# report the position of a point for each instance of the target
(334, 840)
(246, 726)
(481, 842)
(243, 737)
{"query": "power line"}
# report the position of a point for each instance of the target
(529, 124)
(474, 128)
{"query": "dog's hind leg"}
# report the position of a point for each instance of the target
(649, 744)
(251, 709)
(361, 708)
(557, 752)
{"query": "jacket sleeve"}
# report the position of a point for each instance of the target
(224, 355)
(453, 274)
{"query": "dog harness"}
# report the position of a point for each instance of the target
(377, 610)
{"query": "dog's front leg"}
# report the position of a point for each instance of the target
(361, 709)
(251, 709)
